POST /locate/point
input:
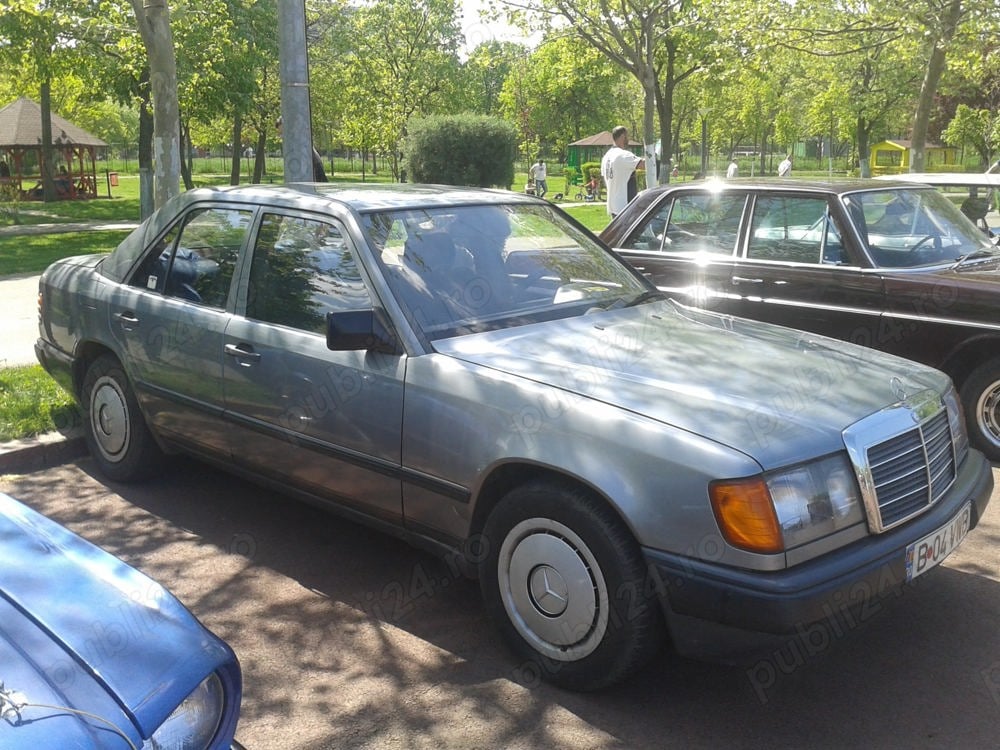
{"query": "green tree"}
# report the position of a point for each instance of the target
(562, 92)
(861, 64)
(948, 28)
(403, 61)
(661, 43)
(485, 72)
(978, 129)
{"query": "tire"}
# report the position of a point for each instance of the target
(980, 395)
(565, 583)
(114, 428)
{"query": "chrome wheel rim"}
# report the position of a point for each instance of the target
(988, 413)
(109, 419)
(553, 589)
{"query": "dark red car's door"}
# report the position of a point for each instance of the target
(685, 243)
(797, 268)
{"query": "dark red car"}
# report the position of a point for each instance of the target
(892, 266)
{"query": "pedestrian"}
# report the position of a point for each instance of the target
(617, 166)
(319, 173)
(785, 168)
(733, 170)
(538, 173)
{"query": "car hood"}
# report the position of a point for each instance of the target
(82, 629)
(777, 394)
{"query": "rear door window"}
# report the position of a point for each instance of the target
(195, 260)
(692, 223)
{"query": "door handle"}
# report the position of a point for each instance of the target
(243, 352)
(745, 280)
(127, 320)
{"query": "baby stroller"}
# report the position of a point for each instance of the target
(590, 192)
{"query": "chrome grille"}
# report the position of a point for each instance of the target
(912, 470)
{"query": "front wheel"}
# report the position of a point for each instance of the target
(981, 400)
(115, 429)
(565, 582)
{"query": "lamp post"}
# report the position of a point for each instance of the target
(703, 113)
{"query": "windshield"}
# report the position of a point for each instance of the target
(460, 269)
(907, 227)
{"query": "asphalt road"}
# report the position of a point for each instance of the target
(351, 639)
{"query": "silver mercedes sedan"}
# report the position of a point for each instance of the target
(475, 372)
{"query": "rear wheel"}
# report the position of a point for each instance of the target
(981, 400)
(566, 584)
(115, 429)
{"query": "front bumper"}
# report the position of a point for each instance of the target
(56, 363)
(699, 597)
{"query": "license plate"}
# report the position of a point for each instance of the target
(926, 553)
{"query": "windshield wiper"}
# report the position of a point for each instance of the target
(646, 296)
(975, 254)
(625, 301)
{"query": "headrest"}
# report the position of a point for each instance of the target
(430, 251)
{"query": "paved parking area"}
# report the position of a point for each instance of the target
(351, 639)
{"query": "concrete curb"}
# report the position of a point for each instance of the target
(41, 452)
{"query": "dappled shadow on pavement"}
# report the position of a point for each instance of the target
(349, 638)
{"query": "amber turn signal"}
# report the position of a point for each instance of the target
(746, 516)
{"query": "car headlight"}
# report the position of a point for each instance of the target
(193, 725)
(786, 509)
(956, 421)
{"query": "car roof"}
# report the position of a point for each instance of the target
(835, 185)
(359, 197)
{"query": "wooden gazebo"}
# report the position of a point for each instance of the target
(75, 153)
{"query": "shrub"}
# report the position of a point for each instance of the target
(572, 177)
(10, 201)
(590, 169)
(461, 150)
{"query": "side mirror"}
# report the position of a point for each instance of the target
(352, 330)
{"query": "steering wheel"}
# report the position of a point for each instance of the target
(926, 255)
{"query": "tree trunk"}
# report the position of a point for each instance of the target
(237, 141)
(153, 18)
(48, 181)
(145, 152)
(928, 87)
(648, 82)
(864, 148)
(260, 157)
(186, 165)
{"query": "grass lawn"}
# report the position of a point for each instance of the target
(33, 254)
(31, 404)
(594, 216)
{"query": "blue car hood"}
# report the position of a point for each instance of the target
(80, 628)
(777, 394)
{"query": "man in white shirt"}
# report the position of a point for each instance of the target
(733, 171)
(785, 168)
(617, 166)
(538, 174)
